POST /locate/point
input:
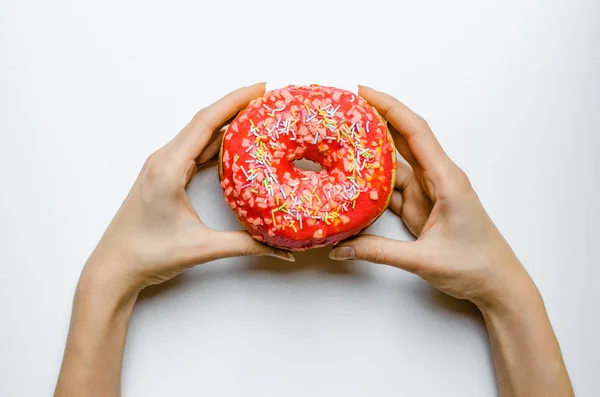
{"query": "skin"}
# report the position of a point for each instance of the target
(156, 235)
(460, 251)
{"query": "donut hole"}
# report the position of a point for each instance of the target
(307, 165)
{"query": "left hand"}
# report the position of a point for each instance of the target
(157, 234)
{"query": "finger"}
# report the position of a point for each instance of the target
(403, 176)
(209, 163)
(402, 254)
(194, 137)
(396, 202)
(212, 148)
(240, 243)
(403, 148)
(422, 143)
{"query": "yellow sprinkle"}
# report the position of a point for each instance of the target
(270, 115)
(306, 106)
(294, 112)
(252, 123)
(294, 227)
(318, 199)
(277, 198)
(273, 216)
(315, 189)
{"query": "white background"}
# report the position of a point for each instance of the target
(89, 89)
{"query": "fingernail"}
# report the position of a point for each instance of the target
(342, 253)
(286, 256)
(365, 86)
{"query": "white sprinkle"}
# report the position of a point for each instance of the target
(244, 171)
(300, 219)
(283, 193)
(249, 148)
(367, 126)
(266, 107)
(316, 137)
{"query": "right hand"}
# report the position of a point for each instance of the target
(458, 249)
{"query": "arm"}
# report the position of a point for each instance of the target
(155, 235)
(526, 353)
(460, 251)
(94, 351)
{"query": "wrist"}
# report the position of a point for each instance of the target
(103, 282)
(519, 297)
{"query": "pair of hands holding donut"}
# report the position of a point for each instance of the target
(458, 248)
(157, 234)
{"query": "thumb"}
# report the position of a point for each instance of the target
(240, 243)
(402, 254)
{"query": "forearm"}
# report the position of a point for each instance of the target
(526, 353)
(94, 352)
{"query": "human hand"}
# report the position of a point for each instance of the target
(157, 234)
(458, 249)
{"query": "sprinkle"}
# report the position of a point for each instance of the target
(367, 126)
(283, 193)
(254, 191)
(280, 208)
(273, 217)
(244, 171)
(294, 227)
(353, 204)
(316, 137)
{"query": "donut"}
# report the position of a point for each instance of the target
(296, 209)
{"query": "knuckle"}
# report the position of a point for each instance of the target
(152, 164)
(378, 255)
(461, 180)
(421, 122)
(455, 182)
(248, 250)
(157, 170)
